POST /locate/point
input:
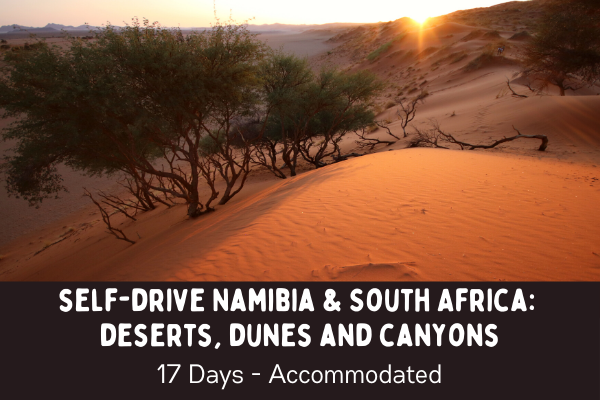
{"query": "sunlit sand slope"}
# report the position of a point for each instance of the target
(414, 214)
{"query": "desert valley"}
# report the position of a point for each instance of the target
(400, 207)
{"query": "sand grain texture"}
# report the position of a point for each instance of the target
(414, 214)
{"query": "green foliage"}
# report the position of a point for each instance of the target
(310, 112)
(374, 55)
(567, 43)
(379, 51)
(322, 102)
(399, 38)
(163, 107)
(210, 144)
(118, 103)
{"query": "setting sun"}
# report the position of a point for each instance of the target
(420, 17)
(187, 13)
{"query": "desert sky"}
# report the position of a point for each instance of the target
(196, 13)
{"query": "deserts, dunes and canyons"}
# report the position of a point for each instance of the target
(416, 194)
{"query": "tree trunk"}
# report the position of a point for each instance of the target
(293, 162)
(194, 207)
(148, 198)
(561, 85)
(226, 195)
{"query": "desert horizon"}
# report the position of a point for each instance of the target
(182, 13)
(462, 163)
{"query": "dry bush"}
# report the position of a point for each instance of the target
(457, 57)
(436, 137)
(485, 58)
(374, 55)
(473, 35)
(33, 46)
(492, 35)
(410, 53)
(406, 112)
(524, 35)
(427, 52)
(395, 53)
(116, 232)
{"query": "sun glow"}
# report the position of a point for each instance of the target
(420, 17)
(200, 13)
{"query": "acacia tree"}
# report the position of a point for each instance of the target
(284, 79)
(200, 101)
(566, 47)
(68, 111)
(309, 113)
(342, 103)
(138, 100)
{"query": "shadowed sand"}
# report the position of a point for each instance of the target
(19, 219)
(414, 214)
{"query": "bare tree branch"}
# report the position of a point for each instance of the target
(433, 136)
(119, 234)
(515, 94)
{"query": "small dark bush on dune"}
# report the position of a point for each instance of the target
(524, 35)
(492, 35)
(565, 52)
(428, 51)
(395, 54)
(458, 57)
(473, 35)
(379, 51)
(485, 58)
(34, 46)
(410, 53)
(25, 47)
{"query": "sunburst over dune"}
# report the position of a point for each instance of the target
(400, 200)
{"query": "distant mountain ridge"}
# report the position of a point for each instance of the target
(48, 28)
(51, 27)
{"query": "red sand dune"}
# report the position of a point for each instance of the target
(413, 214)
(511, 213)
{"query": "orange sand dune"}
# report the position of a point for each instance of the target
(413, 214)
(510, 213)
